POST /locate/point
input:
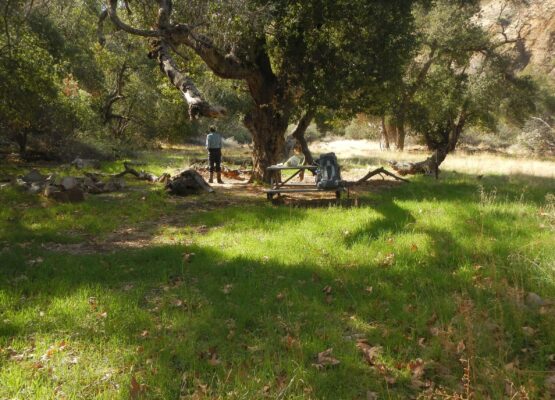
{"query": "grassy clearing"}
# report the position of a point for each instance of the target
(363, 152)
(237, 301)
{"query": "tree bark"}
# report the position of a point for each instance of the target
(401, 112)
(457, 130)
(197, 105)
(267, 121)
(299, 132)
(385, 134)
(21, 139)
(450, 138)
(267, 128)
(400, 137)
(430, 166)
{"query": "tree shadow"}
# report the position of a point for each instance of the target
(279, 311)
(265, 321)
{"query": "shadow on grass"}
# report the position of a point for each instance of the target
(265, 321)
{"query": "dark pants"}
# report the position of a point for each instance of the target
(215, 158)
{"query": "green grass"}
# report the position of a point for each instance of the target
(417, 269)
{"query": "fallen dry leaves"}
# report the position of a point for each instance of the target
(371, 356)
(136, 389)
(211, 356)
(370, 353)
(290, 342)
(227, 288)
(325, 360)
(388, 260)
(327, 290)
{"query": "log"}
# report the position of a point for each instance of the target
(142, 175)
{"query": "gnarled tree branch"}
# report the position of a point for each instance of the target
(226, 66)
(113, 14)
(165, 37)
(198, 107)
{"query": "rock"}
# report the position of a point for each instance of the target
(113, 185)
(533, 300)
(34, 176)
(73, 195)
(19, 183)
(49, 190)
(35, 188)
(188, 182)
(81, 163)
(54, 179)
(69, 183)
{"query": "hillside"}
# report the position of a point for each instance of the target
(535, 20)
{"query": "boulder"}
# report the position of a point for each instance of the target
(69, 196)
(35, 188)
(534, 300)
(113, 185)
(81, 163)
(69, 182)
(34, 176)
(188, 182)
(49, 190)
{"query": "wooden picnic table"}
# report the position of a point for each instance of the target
(277, 186)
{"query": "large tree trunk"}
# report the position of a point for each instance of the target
(398, 124)
(456, 132)
(21, 139)
(385, 134)
(400, 139)
(268, 119)
(268, 135)
(393, 130)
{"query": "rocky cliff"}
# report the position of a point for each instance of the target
(533, 21)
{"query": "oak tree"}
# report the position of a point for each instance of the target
(289, 56)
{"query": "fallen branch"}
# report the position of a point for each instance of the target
(142, 175)
(429, 166)
(378, 171)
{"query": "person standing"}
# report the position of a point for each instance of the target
(214, 147)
